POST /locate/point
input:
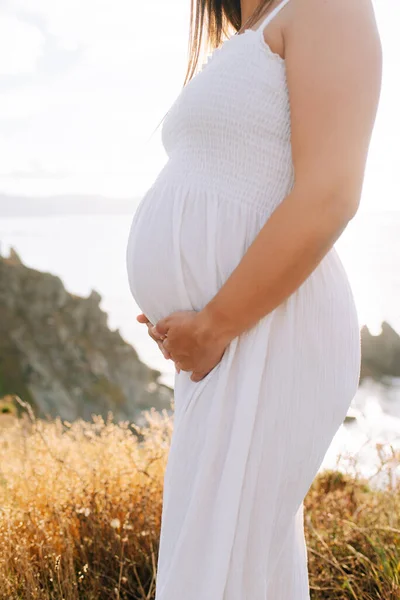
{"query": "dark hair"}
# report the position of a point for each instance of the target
(213, 18)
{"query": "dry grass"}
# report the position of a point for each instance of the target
(81, 510)
(353, 536)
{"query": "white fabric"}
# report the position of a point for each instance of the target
(250, 437)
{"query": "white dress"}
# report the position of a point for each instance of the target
(250, 437)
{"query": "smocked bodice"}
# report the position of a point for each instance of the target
(229, 129)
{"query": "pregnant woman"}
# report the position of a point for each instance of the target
(231, 260)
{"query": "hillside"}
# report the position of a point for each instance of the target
(57, 352)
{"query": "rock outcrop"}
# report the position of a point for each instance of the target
(57, 352)
(380, 353)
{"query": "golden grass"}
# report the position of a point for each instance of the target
(81, 509)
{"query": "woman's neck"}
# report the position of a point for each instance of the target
(248, 7)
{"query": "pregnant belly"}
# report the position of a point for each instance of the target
(183, 244)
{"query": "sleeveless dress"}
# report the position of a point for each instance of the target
(248, 438)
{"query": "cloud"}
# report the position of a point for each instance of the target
(86, 82)
(86, 110)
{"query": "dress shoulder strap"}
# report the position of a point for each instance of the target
(271, 15)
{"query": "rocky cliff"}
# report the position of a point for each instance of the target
(57, 352)
(380, 353)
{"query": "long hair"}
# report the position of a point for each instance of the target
(213, 20)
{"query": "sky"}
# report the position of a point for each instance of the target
(85, 83)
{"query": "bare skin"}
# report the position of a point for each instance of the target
(333, 60)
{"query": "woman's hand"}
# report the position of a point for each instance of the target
(154, 334)
(192, 341)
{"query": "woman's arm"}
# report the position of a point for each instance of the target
(333, 66)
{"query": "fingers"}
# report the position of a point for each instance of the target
(160, 343)
(157, 336)
(142, 318)
(162, 326)
(163, 350)
(152, 330)
(166, 343)
(153, 333)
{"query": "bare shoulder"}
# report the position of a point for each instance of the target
(333, 25)
(333, 59)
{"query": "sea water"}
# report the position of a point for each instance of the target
(88, 252)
